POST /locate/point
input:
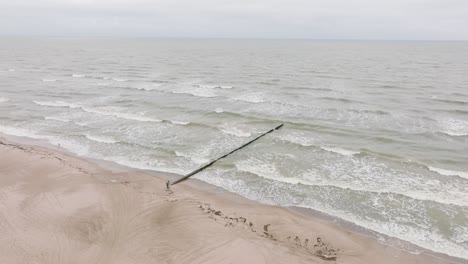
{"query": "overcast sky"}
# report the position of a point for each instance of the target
(315, 19)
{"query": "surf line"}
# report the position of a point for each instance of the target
(169, 183)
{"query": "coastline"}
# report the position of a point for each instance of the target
(85, 209)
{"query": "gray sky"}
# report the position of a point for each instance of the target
(315, 19)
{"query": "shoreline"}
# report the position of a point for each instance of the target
(345, 238)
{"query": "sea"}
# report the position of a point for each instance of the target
(375, 132)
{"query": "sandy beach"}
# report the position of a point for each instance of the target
(57, 208)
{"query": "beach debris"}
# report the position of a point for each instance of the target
(297, 240)
(324, 251)
(168, 183)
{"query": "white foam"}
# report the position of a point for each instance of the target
(49, 80)
(57, 118)
(127, 116)
(213, 86)
(101, 84)
(81, 123)
(219, 110)
(199, 91)
(224, 87)
(341, 151)
(264, 170)
(454, 127)
(297, 139)
(20, 132)
(182, 123)
(56, 104)
(146, 86)
(78, 75)
(77, 148)
(119, 79)
(4, 99)
(419, 236)
(143, 165)
(251, 98)
(197, 159)
(11, 70)
(449, 172)
(234, 131)
(461, 234)
(101, 139)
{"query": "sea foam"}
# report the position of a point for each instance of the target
(101, 139)
(56, 118)
(449, 172)
(127, 116)
(251, 98)
(56, 104)
(454, 127)
(234, 131)
(341, 151)
(20, 132)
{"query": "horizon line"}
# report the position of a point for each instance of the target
(226, 38)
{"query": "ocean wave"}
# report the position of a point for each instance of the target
(49, 80)
(454, 127)
(264, 170)
(119, 80)
(341, 151)
(101, 139)
(4, 99)
(422, 237)
(234, 131)
(197, 159)
(449, 172)
(296, 139)
(414, 232)
(127, 116)
(147, 86)
(341, 100)
(453, 102)
(182, 123)
(219, 110)
(255, 98)
(196, 91)
(365, 111)
(212, 86)
(454, 134)
(56, 118)
(20, 132)
(269, 171)
(11, 70)
(454, 111)
(224, 87)
(142, 165)
(101, 84)
(74, 75)
(56, 104)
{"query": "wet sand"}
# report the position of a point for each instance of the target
(57, 208)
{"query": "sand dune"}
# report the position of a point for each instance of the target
(55, 208)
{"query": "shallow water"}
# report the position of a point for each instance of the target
(375, 133)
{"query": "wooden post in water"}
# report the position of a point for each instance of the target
(168, 183)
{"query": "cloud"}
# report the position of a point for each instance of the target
(317, 19)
